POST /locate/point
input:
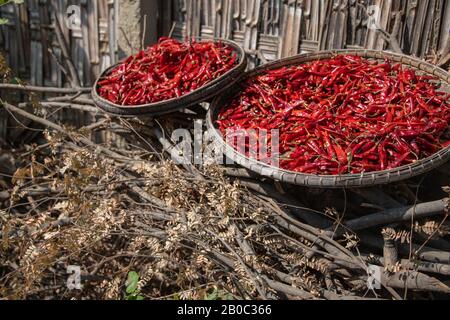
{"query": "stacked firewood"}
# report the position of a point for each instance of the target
(65, 200)
(120, 205)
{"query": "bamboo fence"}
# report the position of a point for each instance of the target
(275, 29)
(29, 40)
(268, 30)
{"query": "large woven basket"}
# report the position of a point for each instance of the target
(202, 94)
(332, 181)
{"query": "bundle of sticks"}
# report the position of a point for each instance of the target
(73, 198)
(123, 205)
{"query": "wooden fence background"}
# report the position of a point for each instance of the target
(278, 28)
(28, 39)
(28, 42)
(267, 29)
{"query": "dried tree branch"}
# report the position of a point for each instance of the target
(17, 87)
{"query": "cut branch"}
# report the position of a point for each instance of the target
(17, 87)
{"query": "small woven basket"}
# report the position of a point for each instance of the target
(332, 181)
(202, 94)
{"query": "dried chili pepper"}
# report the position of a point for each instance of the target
(167, 70)
(343, 115)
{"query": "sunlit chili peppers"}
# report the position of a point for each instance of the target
(167, 70)
(344, 115)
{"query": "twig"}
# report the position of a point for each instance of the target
(172, 29)
(64, 105)
(423, 266)
(413, 280)
(243, 264)
(60, 65)
(144, 32)
(421, 210)
(421, 253)
(18, 87)
(60, 129)
(75, 80)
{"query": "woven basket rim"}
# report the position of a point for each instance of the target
(333, 181)
(197, 96)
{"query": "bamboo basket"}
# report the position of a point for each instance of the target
(202, 94)
(332, 181)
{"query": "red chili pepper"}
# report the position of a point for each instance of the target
(341, 154)
(166, 70)
(345, 115)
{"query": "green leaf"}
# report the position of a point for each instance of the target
(132, 282)
(3, 2)
(133, 297)
(213, 295)
(176, 297)
(229, 297)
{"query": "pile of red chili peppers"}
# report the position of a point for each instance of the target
(167, 70)
(344, 115)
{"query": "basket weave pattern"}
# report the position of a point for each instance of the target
(334, 181)
(202, 94)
